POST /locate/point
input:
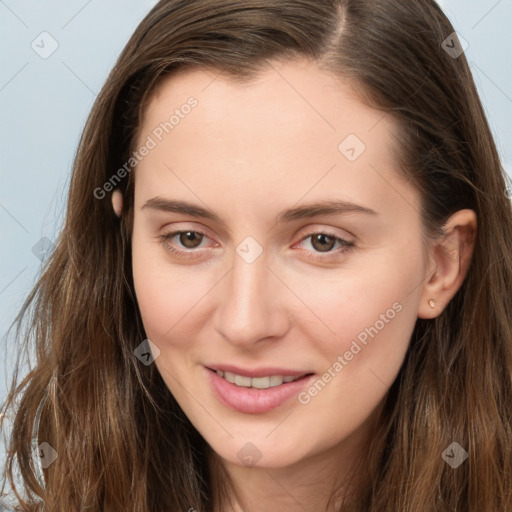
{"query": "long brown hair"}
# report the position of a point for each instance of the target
(123, 443)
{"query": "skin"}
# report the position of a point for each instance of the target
(246, 152)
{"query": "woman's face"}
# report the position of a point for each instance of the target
(300, 253)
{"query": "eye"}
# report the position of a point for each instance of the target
(323, 243)
(188, 240)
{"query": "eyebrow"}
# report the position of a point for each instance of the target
(334, 207)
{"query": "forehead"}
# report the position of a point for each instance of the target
(293, 128)
(294, 94)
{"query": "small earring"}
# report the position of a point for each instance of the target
(432, 303)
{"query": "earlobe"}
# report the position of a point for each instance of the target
(451, 256)
(117, 202)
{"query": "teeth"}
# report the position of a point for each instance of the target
(257, 382)
(261, 382)
(275, 380)
(243, 382)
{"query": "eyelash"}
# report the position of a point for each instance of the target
(346, 246)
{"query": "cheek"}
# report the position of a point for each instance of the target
(169, 296)
(164, 300)
(157, 297)
(367, 316)
(373, 326)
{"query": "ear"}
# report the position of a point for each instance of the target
(449, 260)
(117, 202)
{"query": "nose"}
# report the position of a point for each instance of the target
(251, 303)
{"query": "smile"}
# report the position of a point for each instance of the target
(270, 381)
(257, 394)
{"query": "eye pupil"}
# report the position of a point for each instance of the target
(321, 238)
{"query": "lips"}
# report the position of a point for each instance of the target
(248, 398)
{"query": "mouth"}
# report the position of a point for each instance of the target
(265, 382)
(261, 392)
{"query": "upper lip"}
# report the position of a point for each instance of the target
(257, 372)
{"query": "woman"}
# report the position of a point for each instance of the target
(283, 280)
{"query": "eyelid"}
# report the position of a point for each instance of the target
(331, 231)
(179, 227)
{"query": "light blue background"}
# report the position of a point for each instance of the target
(44, 104)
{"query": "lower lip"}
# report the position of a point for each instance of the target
(252, 400)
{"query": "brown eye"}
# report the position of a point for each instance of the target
(324, 246)
(190, 239)
(322, 242)
(183, 243)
